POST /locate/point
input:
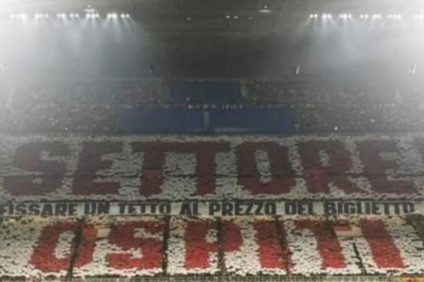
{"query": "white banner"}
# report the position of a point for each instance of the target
(213, 208)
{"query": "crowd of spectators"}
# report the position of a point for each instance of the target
(344, 106)
(315, 105)
(199, 249)
(74, 106)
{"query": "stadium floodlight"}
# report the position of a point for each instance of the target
(376, 16)
(345, 16)
(326, 16)
(394, 17)
(92, 15)
(41, 16)
(235, 17)
(20, 16)
(113, 16)
(227, 17)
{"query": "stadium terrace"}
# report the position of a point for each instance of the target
(212, 140)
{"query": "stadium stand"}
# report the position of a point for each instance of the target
(211, 140)
(284, 107)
